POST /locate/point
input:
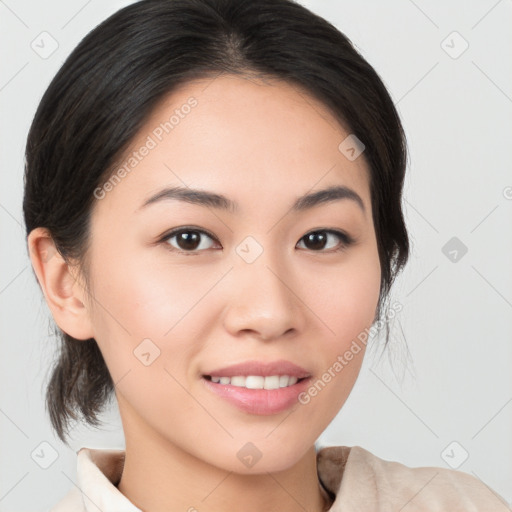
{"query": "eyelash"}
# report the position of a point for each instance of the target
(346, 240)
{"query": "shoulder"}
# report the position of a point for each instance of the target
(360, 479)
(98, 472)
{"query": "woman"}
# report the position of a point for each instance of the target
(213, 211)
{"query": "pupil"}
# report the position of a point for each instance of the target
(318, 240)
(188, 240)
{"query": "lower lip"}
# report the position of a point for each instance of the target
(259, 401)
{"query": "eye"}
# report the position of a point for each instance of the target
(188, 240)
(318, 240)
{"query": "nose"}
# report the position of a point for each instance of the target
(264, 299)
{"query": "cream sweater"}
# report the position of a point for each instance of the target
(360, 482)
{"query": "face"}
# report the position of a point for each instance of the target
(182, 290)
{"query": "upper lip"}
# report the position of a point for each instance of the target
(265, 369)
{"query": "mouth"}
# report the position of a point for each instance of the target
(256, 394)
(268, 382)
(258, 387)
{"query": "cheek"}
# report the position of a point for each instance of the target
(139, 299)
(149, 295)
(345, 300)
(142, 319)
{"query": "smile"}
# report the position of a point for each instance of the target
(256, 381)
(248, 394)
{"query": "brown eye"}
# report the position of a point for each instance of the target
(319, 240)
(188, 240)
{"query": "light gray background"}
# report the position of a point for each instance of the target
(455, 382)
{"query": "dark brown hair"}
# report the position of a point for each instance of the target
(111, 82)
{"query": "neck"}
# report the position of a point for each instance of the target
(158, 476)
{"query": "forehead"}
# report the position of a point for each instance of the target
(243, 137)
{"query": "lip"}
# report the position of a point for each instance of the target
(258, 401)
(265, 369)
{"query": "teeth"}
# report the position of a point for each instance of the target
(257, 381)
(283, 381)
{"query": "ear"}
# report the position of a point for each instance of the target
(64, 294)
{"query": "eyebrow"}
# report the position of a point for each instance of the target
(218, 201)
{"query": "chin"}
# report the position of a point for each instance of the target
(266, 455)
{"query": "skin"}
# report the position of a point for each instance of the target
(262, 144)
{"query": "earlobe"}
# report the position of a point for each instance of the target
(64, 295)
